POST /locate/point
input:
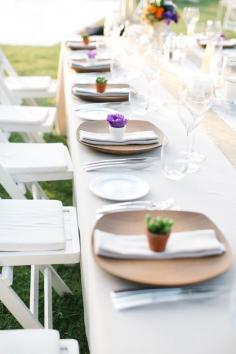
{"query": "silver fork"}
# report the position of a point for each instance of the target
(129, 298)
(131, 163)
(136, 205)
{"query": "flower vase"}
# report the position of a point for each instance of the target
(117, 133)
(158, 30)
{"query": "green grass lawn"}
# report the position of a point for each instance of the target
(68, 311)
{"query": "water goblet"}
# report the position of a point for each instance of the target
(196, 97)
(191, 16)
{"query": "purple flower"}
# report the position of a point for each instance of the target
(92, 54)
(117, 120)
(170, 16)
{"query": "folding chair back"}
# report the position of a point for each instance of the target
(7, 68)
(229, 22)
(6, 96)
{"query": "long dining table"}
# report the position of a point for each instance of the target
(186, 327)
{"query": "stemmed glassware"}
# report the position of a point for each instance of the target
(191, 16)
(196, 97)
(174, 160)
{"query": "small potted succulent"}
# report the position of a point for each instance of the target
(101, 84)
(158, 232)
(117, 125)
(85, 37)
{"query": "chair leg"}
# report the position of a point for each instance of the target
(34, 290)
(16, 306)
(57, 283)
(48, 298)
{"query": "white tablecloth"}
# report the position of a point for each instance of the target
(204, 327)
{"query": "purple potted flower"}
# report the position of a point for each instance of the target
(91, 54)
(117, 125)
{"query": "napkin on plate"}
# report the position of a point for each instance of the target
(77, 43)
(31, 225)
(86, 65)
(136, 138)
(110, 92)
(189, 244)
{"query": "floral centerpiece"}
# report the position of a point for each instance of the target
(117, 125)
(160, 11)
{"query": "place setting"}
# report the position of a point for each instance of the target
(90, 61)
(120, 136)
(169, 253)
(82, 42)
(101, 91)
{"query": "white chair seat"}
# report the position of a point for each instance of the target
(19, 158)
(27, 119)
(36, 341)
(68, 225)
(25, 83)
(30, 341)
(28, 225)
(31, 93)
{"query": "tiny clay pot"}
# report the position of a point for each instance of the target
(157, 242)
(101, 88)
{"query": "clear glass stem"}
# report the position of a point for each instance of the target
(191, 29)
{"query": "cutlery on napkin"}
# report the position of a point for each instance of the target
(135, 138)
(188, 244)
(126, 299)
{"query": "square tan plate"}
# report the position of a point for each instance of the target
(175, 272)
(99, 97)
(132, 126)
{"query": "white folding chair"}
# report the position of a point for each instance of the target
(37, 341)
(31, 121)
(26, 87)
(28, 236)
(25, 164)
(229, 22)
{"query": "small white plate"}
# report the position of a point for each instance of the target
(95, 113)
(119, 187)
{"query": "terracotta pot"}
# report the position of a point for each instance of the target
(101, 88)
(86, 40)
(157, 242)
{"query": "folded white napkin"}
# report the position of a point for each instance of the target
(40, 341)
(110, 92)
(31, 225)
(99, 64)
(77, 43)
(136, 138)
(189, 244)
(23, 115)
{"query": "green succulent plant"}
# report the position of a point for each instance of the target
(158, 225)
(84, 35)
(101, 80)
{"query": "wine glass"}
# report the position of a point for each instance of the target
(174, 160)
(196, 97)
(213, 29)
(191, 16)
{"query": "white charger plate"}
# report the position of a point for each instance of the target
(95, 113)
(119, 187)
